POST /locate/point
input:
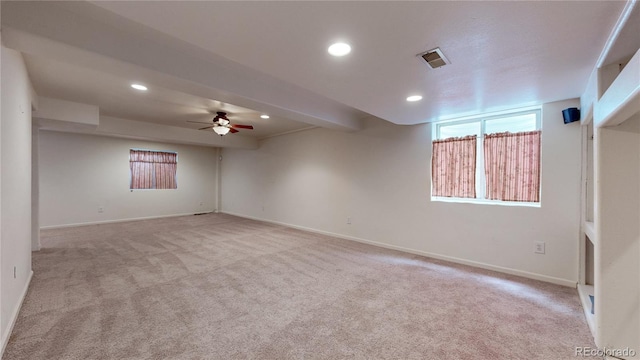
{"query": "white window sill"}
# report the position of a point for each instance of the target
(484, 201)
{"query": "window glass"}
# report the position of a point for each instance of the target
(513, 124)
(459, 130)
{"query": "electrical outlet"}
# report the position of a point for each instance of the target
(100, 209)
(348, 221)
(539, 247)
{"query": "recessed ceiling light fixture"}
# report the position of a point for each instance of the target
(413, 98)
(339, 49)
(264, 116)
(139, 87)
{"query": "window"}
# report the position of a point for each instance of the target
(491, 159)
(153, 169)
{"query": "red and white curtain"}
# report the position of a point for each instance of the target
(512, 166)
(453, 167)
(153, 169)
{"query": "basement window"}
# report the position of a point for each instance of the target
(152, 169)
(488, 159)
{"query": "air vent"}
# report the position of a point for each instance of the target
(435, 58)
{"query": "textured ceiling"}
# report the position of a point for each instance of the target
(270, 57)
(503, 54)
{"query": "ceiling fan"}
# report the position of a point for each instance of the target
(222, 126)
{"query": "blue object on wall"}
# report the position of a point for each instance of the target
(591, 298)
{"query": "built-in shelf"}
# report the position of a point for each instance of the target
(590, 231)
(586, 115)
(622, 99)
(610, 108)
(584, 291)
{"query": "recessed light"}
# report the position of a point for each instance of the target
(139, 87)
(264, 116)
(413, 98)
(339, 49)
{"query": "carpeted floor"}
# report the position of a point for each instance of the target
(221, 287)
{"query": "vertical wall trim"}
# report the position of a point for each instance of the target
(35, 190)
(583, 204)
(1, 120)
(218, 207)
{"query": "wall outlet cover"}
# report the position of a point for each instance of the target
(539, 247)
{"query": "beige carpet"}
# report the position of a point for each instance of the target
(221, 287)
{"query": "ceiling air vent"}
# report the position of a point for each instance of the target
(435, 58)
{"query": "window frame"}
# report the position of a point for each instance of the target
(480, 176)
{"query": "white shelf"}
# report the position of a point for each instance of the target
(622, 99)
(586, 116)
(590, 231)
(584, 291)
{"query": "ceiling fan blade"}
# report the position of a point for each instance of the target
(250, 127)
(232, 130)
(208, 127)
(198, 122)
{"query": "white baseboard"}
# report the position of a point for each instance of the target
(505, 270)
(119, 220)
(14, 315)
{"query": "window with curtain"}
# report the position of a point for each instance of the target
(153, 169)
(512, 166)
(492, 159)
(453, 166)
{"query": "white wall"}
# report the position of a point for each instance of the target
(15, 187)
(617, 270)
(380, 178)
(78, 173)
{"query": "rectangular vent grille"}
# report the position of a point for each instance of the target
(435, 58)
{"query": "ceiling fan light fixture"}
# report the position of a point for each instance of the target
(222, 126)
(221, 130)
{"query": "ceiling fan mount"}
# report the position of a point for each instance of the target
(221, 118)
(222, 125)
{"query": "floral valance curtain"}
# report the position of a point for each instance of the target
(453, 167)
(512, 166)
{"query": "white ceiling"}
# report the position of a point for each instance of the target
(112, 94)
(271, 57)
(503, 54)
